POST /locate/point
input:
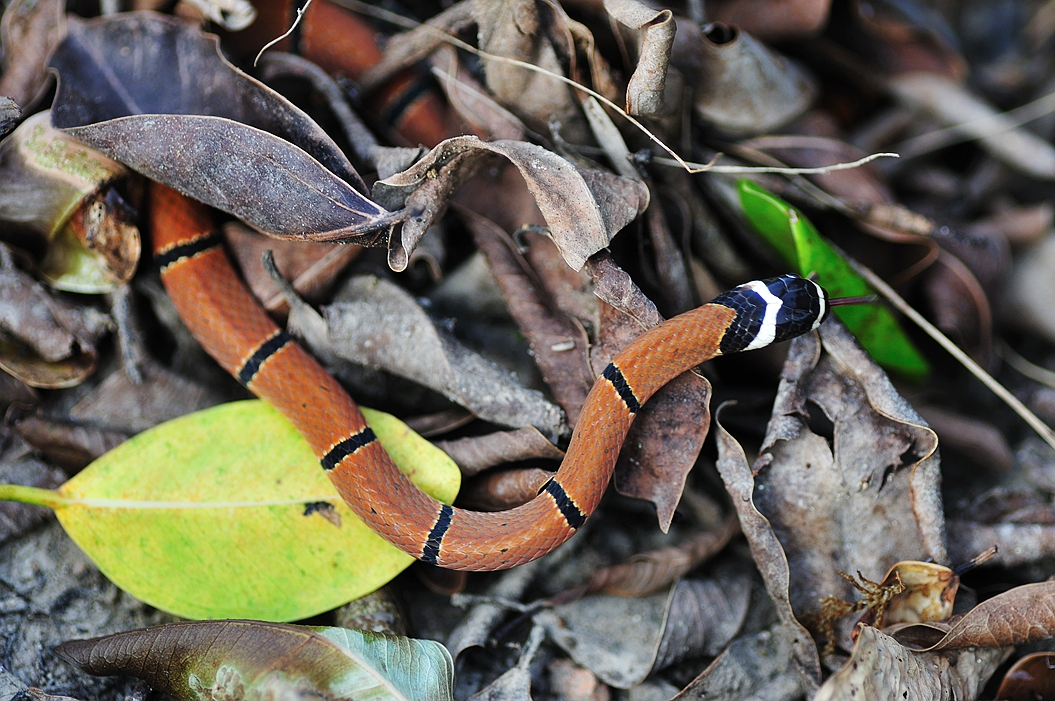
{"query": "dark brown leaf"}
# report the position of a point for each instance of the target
(503, 489)
(1031, 678)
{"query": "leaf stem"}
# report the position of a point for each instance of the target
(32, 495)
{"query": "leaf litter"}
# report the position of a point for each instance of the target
(841, 481)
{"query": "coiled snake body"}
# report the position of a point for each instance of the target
(234, 329)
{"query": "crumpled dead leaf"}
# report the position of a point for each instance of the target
(655, 36)
(880, 668)
(214, 136)
(583, 208)
(60, 338)
(866, 500)
(623, 640)
(375, 323)
(753, 666)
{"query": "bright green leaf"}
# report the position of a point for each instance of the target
(257, 660)
(801, 246)
(225, 513)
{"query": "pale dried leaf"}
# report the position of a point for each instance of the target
(377, 324)
(757, 666)
(655, 36)
(880, 668)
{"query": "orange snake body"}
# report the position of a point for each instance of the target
(234, 329)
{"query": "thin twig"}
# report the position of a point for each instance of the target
(268, 45)
(1042, 429)
(819, 170)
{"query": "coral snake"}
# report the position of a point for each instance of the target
(234, 329)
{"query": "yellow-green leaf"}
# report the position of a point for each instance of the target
(225, 513)
(800, 244)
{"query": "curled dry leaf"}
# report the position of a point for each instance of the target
(655, 36)
(477, 453)
(929, 594)
(377, 324)
(69, 444)
(862, 501)
(880, 668)
(768, 554)
(56, 340)
(1021, 615)
(221, 137)
(486, 118)
(584, 209)
(188, 661)
(775, 20)
(30, 31)
(742, 86)
(62, 203)
(623, 640)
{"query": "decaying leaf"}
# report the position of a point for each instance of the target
(226, 659)
(504, 489)
(880, 472)
(222, 137)
(768, 554)
(880, 668)
(377, 324)
(56, 340)
(61, 202)
(583, 208)
(622, 640)
(644, 93)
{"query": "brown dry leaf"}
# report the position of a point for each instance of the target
(666, 437)
(741, 86)
(558, 342)
(757, 666)
(880, 668)
(650, 572)
(1018, 225)
(1032, 283)
(654, 34)
(514, 29)
(1021, 615)
(503, 489)
(623, 640)
(119, 404)
(1030, 678)
(70, 444)
(488, 119)
(311, 267)
(583, 208)
(30, 30)
(477, 453)
(869, 498)
(774, 20)
(378, 324)
(768, 554)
